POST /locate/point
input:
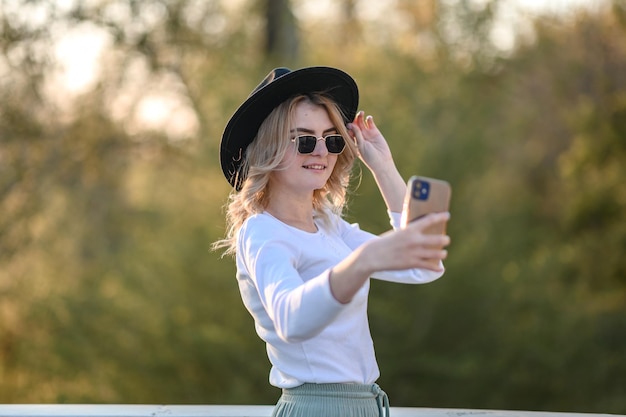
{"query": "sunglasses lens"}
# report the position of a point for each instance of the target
(335, 143)
(306, 144)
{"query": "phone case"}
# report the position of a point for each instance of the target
(423, 196)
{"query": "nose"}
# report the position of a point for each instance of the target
(320, 147)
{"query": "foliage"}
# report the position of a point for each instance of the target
(108, 290)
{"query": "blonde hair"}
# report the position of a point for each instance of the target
(264, 155)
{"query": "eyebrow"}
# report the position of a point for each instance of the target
(305, 130)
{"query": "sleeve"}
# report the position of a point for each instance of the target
(354, 237)
(298, 309)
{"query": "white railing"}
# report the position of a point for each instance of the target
(121, 410)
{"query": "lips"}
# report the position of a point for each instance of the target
(314, 167)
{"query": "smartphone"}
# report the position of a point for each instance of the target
(423, 196)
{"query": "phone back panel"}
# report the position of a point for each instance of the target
(423, 196)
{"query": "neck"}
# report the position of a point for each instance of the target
(293, 211)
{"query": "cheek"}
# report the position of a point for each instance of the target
(285, 169)
(289, 159)
(332, 162)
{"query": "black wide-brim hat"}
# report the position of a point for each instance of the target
(280, 84)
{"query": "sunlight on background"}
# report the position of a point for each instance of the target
(165, 111)
(80, 53)
(79, 50)
(556, 6)
(514, 15)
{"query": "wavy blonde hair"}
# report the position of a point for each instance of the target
(264, 155)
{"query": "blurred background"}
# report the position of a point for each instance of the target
(111, 113)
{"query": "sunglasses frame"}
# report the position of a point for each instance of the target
(296, 140)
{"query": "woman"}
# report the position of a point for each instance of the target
(303, 271)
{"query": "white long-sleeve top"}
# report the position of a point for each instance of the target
(283, 276)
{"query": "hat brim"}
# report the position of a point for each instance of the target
(245, 122)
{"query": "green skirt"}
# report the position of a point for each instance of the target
(332, 400)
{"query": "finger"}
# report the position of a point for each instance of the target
(429, 220)
(355, 129)
(356, 134)
(433, 241)
(357, 116)
(430, 264)
(433, 254)
(360, 120)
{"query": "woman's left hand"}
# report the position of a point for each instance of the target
(373, 148)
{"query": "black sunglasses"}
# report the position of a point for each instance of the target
(306, 143)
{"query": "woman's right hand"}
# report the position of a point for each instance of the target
(410, 247)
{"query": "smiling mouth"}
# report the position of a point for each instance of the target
(314, 167)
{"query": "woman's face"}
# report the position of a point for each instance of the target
(302, 174)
